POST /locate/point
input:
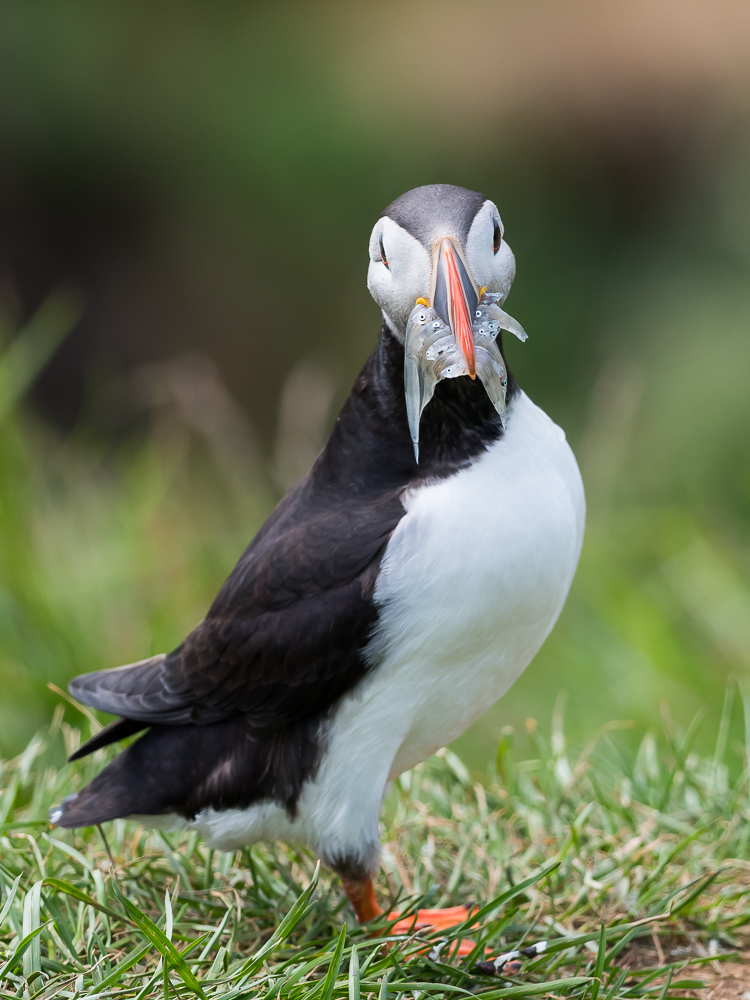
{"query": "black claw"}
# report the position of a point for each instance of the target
(485, 968)
(491, 969)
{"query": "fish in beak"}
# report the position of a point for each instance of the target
(454, 335)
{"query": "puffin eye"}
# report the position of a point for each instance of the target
(497, 238)
(382, 252)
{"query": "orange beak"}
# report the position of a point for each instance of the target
(454, 296)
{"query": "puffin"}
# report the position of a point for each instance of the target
(390, 599)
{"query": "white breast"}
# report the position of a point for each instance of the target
(471, 583)
(474, 578)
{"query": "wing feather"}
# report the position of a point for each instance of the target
(284, 635)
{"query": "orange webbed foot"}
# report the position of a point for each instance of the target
(361, 893)
(435, 920)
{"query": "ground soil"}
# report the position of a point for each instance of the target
(725, 979)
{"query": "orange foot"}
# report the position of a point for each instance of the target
(435, 920)
(361, 893)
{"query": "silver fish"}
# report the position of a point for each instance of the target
(431, 354)
(490, 319)
(492, 373)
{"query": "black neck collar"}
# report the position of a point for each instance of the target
(370, 447)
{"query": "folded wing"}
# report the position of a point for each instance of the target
(283, 639)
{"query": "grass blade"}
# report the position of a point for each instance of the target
(284, 929)
(83, 897)
(333, 969)
(9, 900)
(32, 959)
(123, 966)
(354, 986)
(161, 942)
(699, 889)
(505, 897)
(599, 965)
(20, 950)
(33, 346)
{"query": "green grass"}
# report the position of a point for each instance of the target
(631, 867)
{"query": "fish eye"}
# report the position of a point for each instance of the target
(382, 252)
(497, 238)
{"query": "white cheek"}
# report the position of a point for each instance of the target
(493, 270)
(397, 287)
(374, 280)
(378, 287)
(503, 270)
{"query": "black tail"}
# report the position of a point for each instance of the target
(111, 733)
(184, 769)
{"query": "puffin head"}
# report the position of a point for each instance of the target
(442, 244)
(439, 267)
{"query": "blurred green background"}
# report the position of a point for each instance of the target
(186, 194)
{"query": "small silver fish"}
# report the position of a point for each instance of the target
(431, 354)
(492, 373)
(489, 319)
